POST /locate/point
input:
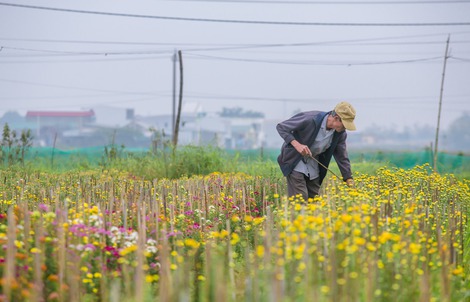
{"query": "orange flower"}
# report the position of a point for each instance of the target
(21, 256)
(53, 278)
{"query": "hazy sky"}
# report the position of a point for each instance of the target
(385, 57)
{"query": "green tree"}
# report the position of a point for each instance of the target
(14, 147)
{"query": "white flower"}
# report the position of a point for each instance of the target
(77, 221)
(151, 242)
(151, 249)
(132, 237)
(128, 244)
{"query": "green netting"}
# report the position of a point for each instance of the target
(92, 154)
(446, 162)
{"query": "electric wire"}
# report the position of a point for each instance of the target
(333, 2)
(82, 104)
(107, 53)
(64, 53)
(103, 59)
(234, 21)
(75, 87)
(293, 62)
(260, 46)
(460, 59)
(214, 96)
(349, 41)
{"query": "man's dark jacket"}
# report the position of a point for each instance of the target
(304, 128)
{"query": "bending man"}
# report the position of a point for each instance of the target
(316, 134)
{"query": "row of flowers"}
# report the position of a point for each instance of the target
(395, 231)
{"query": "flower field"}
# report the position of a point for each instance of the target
(400, 235)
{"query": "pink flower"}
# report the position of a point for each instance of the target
(43, 207)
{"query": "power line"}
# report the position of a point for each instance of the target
(168, 51)
(201, 97)
(236, 21)
(108, 53)
(460, 99)
(51, 51)
(341, 43)
(351, 42)
(328, 2)
(206, 95)
(295, 62)
(76, 88)
(454, 33)
(60, 97)
(87, 104)
(125, 42)
(208, 57)
(460, 59)
(105, 59)
(237, 47)
(220, 58)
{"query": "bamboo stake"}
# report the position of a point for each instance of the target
(157, 212)
(165, 286)
(38, 260)
(229, 261)
(10, 270)
(61, 253)
(139, 273)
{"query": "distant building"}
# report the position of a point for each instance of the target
(50, 124)
(191, 115)
(198, 128)
(61, 119)
(113, 117)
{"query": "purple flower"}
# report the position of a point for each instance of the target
(173, 234)
(43, 207)
(89, 247)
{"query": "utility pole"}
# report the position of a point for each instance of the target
(440, 105)
(178, 116)
(174, 94)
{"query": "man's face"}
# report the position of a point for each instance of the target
(337, 124)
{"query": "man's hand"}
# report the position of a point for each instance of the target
(302, 149)
(350, 182)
